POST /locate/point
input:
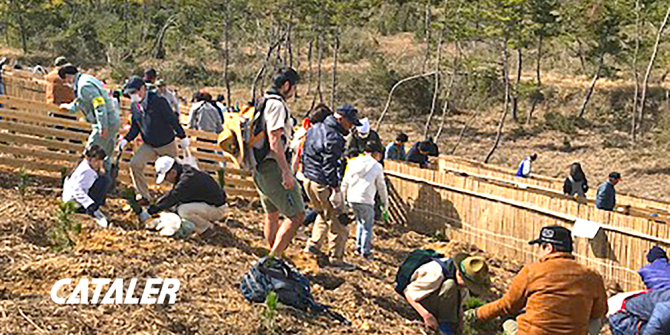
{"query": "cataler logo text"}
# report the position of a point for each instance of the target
(156, 290)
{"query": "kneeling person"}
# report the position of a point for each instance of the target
(86, 186)
(197, 197)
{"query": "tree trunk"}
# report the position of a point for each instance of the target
(262, 69)
(436, 90)
(226, 53)
(427, 32)
(501, 124)
(515, 96)
(636, 74)
(336, 48)
(645, 83)
(310, 48)
(538, 89)
(318, 93)
(589, 92)
(388, 100)
(445, 106)
(580, 54)
(289, 49)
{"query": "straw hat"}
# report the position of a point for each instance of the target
(474, 271)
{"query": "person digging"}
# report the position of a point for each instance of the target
(196, 196)
(436, 289)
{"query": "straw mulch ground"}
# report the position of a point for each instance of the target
(208, 301)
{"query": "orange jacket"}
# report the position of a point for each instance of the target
(57, 92)
(559, 294)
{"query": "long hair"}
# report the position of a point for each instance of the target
(576, 172)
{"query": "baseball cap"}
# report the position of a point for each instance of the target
(163, 166)
(60, 61)
(133, 84)
(615, 175)
(349, 112)
(556, 235)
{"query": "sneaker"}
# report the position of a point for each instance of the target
(310, 249)
(100, 219)
(341, 265)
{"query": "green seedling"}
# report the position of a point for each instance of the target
(61, 234)
(269, 313)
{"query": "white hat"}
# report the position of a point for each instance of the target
(163, 166)
(364, 128)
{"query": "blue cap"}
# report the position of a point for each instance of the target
(133, 84)
(349, 112)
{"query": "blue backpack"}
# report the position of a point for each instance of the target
(291, 287)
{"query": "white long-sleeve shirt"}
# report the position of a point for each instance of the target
(77, 185)
(364, 178)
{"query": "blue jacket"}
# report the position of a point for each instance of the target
(395, 152)
(648, 312)
(656, 276)
(414, 156)
(322, 156)
(606, 196)
(155, 120)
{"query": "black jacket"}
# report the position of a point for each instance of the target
(155, 121)
(323, 154)
(415, 156)
(192, 185)
(356, 144)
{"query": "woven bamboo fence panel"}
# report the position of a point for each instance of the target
(35, 136)
(478, 168)
(501, 220)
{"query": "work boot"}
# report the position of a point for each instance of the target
(341, 265)
(310, 249)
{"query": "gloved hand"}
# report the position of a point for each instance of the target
(144, 216)
(122, 144)
(153, 209)
(184, 143)
(470, 316)
(69, 107)
(337, 200)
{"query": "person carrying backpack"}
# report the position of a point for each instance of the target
(435, 286)
(363, 178)
(273, 176)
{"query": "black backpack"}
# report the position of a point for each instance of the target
(259, 132)
(415, 260)
(292, 288)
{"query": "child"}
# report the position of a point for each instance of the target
(363, 179)
(87, 187)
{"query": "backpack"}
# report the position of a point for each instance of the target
(244, 136)
(415, 260)
(291, 287)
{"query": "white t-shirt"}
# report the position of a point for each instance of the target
(277, 116)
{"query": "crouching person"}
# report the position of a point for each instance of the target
(87, 187)
(436, 286)
(195, 194)
(644, 313)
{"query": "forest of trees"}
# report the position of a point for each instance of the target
(473, 52)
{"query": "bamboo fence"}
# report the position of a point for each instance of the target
(501, 220)
(37, 136)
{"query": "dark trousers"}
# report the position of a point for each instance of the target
(98, 192)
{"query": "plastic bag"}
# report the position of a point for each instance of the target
(189, 159)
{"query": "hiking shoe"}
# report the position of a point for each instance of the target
(100, 219)
(342, 265)
(310, 249)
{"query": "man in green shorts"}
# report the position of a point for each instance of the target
(278, 189)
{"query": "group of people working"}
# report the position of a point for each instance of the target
(195, 195)
(333, 162)
(576, 184)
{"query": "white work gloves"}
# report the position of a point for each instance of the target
(122, 144)
(69, 107)
(337, 200)
(184, 143)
